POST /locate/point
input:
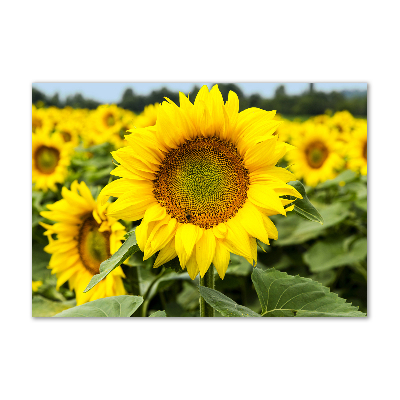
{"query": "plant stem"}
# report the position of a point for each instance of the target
(208, 281)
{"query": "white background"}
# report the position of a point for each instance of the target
(308, 41)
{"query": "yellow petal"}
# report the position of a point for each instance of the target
(237, 240)
(192, 266)
(167, 253)
(221, 258)
(251, 220)
(205, 250)
(266, 198)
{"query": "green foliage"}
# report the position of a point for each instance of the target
(117, 306)
(303, 207)
(345, 177)
(128, 248)
(332, 252)
(283, 295)
(295, 230)
(40, 261)
(158, 314)
(224, 305)
(42, 307)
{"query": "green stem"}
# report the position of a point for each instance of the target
(208, 281)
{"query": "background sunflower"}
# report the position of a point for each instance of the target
(50, 159)
(85, 237)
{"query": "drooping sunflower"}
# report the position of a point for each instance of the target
(85, 238)
(204, 181)
(357, 148)
(50, 159)
(316, 157)
(148, 117)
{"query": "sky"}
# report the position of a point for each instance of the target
(112, 92)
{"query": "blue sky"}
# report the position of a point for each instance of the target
(112, 92)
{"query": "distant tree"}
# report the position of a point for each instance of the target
(280, 91)
(306, 104)
(37, 95)
(255, 100)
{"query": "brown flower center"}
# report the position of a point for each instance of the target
(36, 123)
(365, 151)
(316, 154)
(203, 182)
(93, 246)
(46, 159)
(66, 136)
(109, 119)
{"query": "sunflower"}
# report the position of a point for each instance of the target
(69, 131)
(357, 148)
(41, 119)
(148, 117)
(108, 117)
(317, 154)
(50, 160)
(85, 238)
(204, 181)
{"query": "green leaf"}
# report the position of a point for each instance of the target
(283, 295)
(295, 230)
(331, 253)
(117, 306)
(42, 307)
(303, 207)
(164, 281)
(224, 305)
(158, 314)
(346, 177)
(128, 248)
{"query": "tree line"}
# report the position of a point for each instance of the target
(308, 103)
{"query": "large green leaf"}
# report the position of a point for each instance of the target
(42, 307)
(128, 248)
(331, 253)
(294, 230)
(158, 314)
(117, 306)
(224, 305)
(283, 295)
(303, 207)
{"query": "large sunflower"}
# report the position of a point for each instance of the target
(50, 160)
(357, 148)
(316, 157)
(204, 181)
(85, 238)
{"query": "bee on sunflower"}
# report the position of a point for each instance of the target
(50, 159)
(204, 182)
(86, 237)
(316, 157)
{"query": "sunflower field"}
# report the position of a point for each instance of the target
(195, 209)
